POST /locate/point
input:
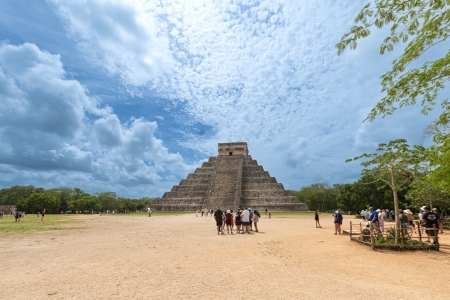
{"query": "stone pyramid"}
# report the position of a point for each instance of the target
(230, 180)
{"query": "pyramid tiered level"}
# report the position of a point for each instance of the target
(230, 180)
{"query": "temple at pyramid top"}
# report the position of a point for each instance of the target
(233, 148)
(231, 180)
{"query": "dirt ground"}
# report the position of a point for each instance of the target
(182, 257)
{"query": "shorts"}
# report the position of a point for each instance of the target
(412, 223)
(238, 223)
(432, 232)
(245, 224)
(219, 224)
(228, 222)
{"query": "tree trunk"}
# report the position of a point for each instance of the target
(397, 218)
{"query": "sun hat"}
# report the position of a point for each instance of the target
(371, 208)
(378, 210)
(407, 211)
(434, 208)
(228, 211)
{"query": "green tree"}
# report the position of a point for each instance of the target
(318, 196)
(12, 195)
(420, 24)
(37, 202)
(108, 200)
(392, 166)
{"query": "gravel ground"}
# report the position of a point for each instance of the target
(182, 257)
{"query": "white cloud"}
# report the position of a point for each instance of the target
(265, 72)
(49, 125)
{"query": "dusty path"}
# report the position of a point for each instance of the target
(181, 257)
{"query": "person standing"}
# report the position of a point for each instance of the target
(265, 212)
(338, 222)
(237, 221)
(203, 211)
(381, 220)
(373, 218)
(149, 210)
(218, 217)
(250, 211)
(431, 221)
(255, 221)
(43, 214)
(316, 217)
(245, 217)
(196, 213)
(228, 218)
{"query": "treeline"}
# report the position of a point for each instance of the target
(368, 191)
(33, 199)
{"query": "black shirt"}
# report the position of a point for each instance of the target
(430, 219)
(218, 215)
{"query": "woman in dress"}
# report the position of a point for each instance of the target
(316, 217)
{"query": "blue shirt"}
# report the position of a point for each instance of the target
(373, 217)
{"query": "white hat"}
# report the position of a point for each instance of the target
(228, 211)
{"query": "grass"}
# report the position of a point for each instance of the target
(154, 214)
(33, 223)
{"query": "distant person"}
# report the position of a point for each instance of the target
(211, 212)
(38, 213)
(250, 211)
(245, 217)
(381, 219)
(228, 218)
(218, 217)
(435, 211)
(410, 217)
(237, 221)
(337, 222)
(431, 222)
(232, 220)
(203, 211)
(393, 215)
(255, 221)
(265, 212)
(316, 217)
(43, 215)
(373, 218)
(196, 213)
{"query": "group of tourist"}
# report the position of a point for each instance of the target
(244, 220)
(429, 220)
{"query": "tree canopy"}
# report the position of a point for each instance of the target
(420, 24)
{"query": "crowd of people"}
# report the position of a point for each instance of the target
(430, 221)
(244, 220)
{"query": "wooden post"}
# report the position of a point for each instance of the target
(351, 229)
(403, 235)
(436, 235)
(372, 241)
(420, 231)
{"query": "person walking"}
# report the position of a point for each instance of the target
(316, 217)
(218, 217)
(43, 214)
(337, 222)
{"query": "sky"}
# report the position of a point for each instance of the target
(130, 96)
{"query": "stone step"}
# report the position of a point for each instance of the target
(265, 194)
(204, 170)
(195, 187)
(262, 186)
(185, 194)
(247, 180)
(197, 176)
(194, 182)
